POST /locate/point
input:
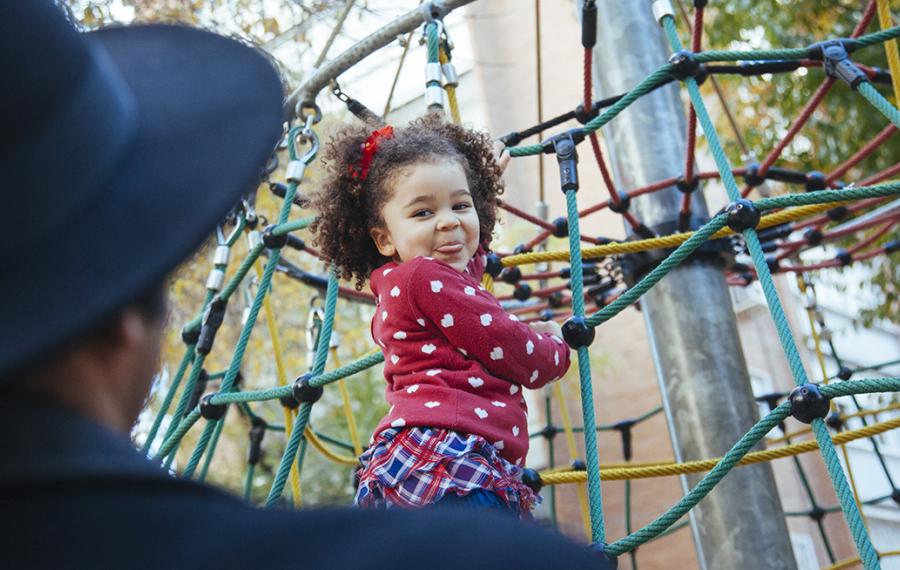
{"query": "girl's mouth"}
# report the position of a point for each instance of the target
(450, 248)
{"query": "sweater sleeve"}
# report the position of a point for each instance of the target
(473, 322)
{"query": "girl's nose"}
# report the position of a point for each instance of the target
(447, 221)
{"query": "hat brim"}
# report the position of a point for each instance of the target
(210, 113)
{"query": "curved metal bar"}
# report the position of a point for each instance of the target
(309, 89)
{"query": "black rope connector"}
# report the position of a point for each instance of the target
(622, 205)
(272, 240)
(815, 180)
(212, 320)
(813, 236)
(843, 257)
(550, 431)
(751, 175)
(895, 496)
(835, 421)
(838, 214)
(684, 64)
(211, 411)
(780, 231)
(742, 215)
(589, 24)
(844, 373)
(892, 246)
(561, 227)
(296, 242)
(563, 145)
(578, 465)
(547, 315)
(190, 335)
(280, 189)
(520, 249)
(836, 61)
(257, 432)
(199, 389)
(686, 187)
(533, 479)
(522, 292)
(511, 275)
(624, 429)
(577, 333)
(289, 402)
(305, 393)
(555, 299)
(773, 264)
(808, 403)
(816, 513)
(493, 266)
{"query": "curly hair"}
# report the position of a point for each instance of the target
(349, 208)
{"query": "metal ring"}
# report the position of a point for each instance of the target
(303, 106)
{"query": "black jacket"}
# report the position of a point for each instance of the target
(73, 494)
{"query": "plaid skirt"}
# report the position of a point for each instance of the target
(416, 467)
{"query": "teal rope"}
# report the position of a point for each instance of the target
(660, 271)
(431, 31)
(212, 450)
(182, 428)
(867, 90)
(647, 85)
(598, 533)
(180, 409)
(878, 37)
(294, 441)
(170, 395)
(842, 488)
(289, 227)
(704, 486)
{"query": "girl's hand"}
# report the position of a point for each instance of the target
(547, 327)
(501, 157)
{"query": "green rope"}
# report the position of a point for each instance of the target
(170, 395)
(294, 441)
(592, 459)
(248, 482)
(212, 450)
(851, 511)
(867, 90)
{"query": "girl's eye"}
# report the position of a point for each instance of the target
(462, 206)
(421, 213)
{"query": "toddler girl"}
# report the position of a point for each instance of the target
(412, 210)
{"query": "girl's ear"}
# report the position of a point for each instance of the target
(383, 242)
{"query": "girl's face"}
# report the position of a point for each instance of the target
(430, 214)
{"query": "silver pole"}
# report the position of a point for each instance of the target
(693, 333)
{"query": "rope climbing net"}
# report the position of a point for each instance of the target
(761, 228)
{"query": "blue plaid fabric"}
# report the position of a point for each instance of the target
(416, 467)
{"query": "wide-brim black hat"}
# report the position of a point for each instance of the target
(120, 151)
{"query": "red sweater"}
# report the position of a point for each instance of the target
(454, 358)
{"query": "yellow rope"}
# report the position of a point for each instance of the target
(488, 283)
(845, 417)
(851, 562)
(450, 89)
(573, 454)
(327, 453)
(664, 469)
(673, 240)
(890, 48)
(348, 409)
(282, 381)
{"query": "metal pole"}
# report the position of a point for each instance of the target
(691, 325)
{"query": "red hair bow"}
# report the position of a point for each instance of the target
(361, 171)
